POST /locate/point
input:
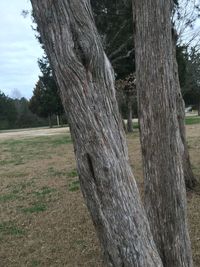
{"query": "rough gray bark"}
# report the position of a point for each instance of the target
(190, 180)
(85, 78)
(165, 197)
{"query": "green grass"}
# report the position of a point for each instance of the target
(8, 197)
(17, 187)
(38, 141)
(9, 228)
(73, 173)
(135, 125)
(54, 172)
(80, 243)
(18, 191)
(25, 184)
(192, 120)
(35, 263)
(188, 121)
(62, 140)
(15, 191)
(74, 186)
(15, 174)
(38, 190)
(21, 151)
(14, 161)
(35, 208)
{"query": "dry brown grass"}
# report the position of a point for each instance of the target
(43, 218)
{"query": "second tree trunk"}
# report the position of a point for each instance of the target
(165, 196)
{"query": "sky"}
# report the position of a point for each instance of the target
(19, 50)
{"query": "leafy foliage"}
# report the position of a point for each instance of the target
(8, 113)
(191, 88)
(45, 100)
(114, 21)
(15, 113)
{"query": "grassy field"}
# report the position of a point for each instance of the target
(192, 120)
(43, 218)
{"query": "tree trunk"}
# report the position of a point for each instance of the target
(165, 196)
(85, 78)
(190, 180)
(199, 108)
(124, 125)
(130, 115)
(58, 120)
(50, 121)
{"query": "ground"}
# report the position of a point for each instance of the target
(43, 218)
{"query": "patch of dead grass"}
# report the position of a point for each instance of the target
(55, 226)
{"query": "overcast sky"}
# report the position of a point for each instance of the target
(19, 50)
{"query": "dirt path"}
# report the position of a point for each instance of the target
(27, 133)
(192, 130)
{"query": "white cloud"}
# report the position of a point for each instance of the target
(19, 49)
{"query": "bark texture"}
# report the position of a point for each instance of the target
(85, 78)
(190, 180)
(165, 198)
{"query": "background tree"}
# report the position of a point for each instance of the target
(52, 91)
(46, 101)
(8, 113)
(15, 113)
(127, 99)
(130, 92)
(114, 22)
(191, 86)
(182, 57)
(38, 102)
(189, 177)
(24, 117)
(187, 20)
(113, 19)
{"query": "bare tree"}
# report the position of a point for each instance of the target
(185, 18)
(165, 198)
(85, 78)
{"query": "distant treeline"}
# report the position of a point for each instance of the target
(16, 113)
